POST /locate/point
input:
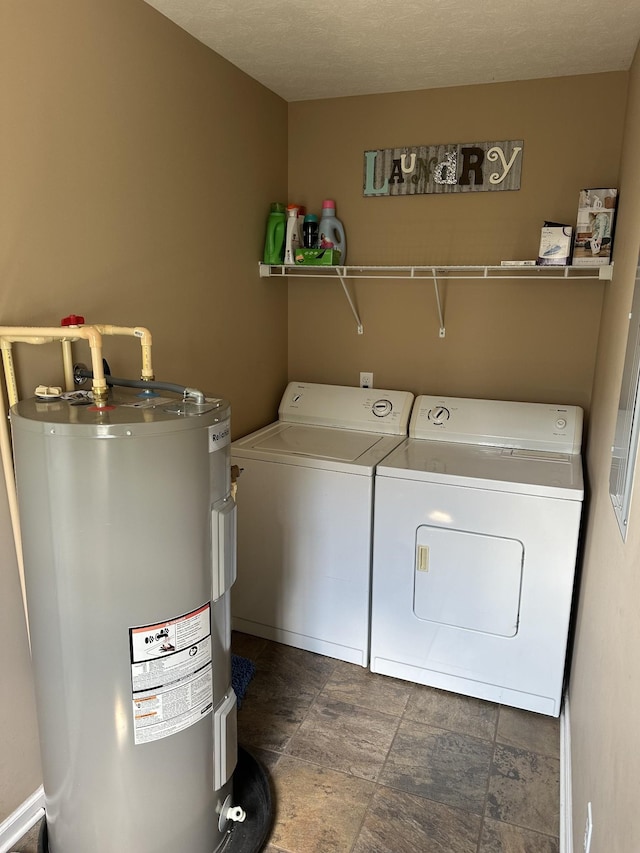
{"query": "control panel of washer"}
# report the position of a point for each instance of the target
(346, 407)
(529, 426)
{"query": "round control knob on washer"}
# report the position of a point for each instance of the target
(561, 423)
(439, 415)
(382, 408)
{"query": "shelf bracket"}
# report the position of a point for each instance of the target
(341, 272)
(442, 332)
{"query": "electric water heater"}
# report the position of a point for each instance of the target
(128, 529)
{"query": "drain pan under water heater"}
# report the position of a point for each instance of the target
(128, 530)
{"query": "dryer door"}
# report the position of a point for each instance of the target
(468, 580)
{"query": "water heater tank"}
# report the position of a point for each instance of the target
(128, 532)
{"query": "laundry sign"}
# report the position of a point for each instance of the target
(448, 168)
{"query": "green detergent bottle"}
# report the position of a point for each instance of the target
(276, 229)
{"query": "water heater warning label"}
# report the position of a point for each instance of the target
(171, 674)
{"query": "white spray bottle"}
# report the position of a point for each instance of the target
(293, 238)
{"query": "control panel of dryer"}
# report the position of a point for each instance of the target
(525, 426)
(345, 407)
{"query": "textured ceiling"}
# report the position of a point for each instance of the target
(333, 48)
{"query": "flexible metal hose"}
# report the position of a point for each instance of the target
(146, 385)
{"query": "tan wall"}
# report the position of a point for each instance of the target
(508, 340)
(137, 168)
(605, 681)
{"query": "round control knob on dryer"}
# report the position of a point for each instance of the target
(561, 423)
(382, 408)
(439, 415)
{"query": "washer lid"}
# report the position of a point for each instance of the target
(339, 444)
(316, 447)
(530, 472)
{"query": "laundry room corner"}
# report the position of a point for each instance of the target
(354, 535)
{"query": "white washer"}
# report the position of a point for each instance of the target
(477, 517)
(305, 514)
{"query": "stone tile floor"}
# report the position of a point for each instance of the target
(362, 763)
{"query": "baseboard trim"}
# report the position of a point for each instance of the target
(21, 820)
(566, 808)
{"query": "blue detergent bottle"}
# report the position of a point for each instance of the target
(330, 232)
(274, 240)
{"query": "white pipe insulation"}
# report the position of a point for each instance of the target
(43, 335)
(145, 343)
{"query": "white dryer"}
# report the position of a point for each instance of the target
(477, 518)
(305, 515)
